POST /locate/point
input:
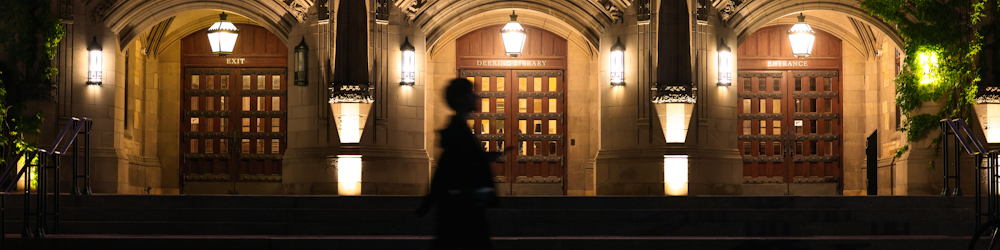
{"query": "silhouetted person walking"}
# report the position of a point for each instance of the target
(462, 187)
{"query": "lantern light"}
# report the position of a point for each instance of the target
(725, 64)
(801, 37)
(928, 65)
(301, 63)
(408, 74)
(222, 36)
(513, 36)
(94, 74)
(618, 63)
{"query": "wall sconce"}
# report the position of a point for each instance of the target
(513, 36)
(618, 64)
(409, 74)
(725, 64)
(301, 63)
(675, 175)
(222, 36)
(801, 37)
(96, 63)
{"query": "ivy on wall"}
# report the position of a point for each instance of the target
(943, 40)
(29, 35)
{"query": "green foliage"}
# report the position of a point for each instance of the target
(954, 33)
(29, 38)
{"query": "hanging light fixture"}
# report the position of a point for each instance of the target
(222, 36)
(725, 64)
(801, 37)
(409, 75)
(513, 36)
(94, 76)
(618, 63)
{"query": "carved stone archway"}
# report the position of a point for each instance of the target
(128, 19)
(747, 16)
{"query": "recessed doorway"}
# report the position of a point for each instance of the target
(522, 105)
(789, 115)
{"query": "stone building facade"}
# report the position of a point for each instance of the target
(671, 129)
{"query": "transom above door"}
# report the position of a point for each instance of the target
(789, 126)
(524, 110)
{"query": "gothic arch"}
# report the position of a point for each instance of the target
(745, 20)
(130, 18)
(568, 18)
(498, 17)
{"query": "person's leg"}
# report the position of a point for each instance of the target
(475, 235)
(446, 231)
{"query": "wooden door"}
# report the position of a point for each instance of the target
(233, 124)
(525, 110)
(233, 120)
(789, 126)
(206, 133)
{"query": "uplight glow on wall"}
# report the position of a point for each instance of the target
(350, 119)
(675, 175)
(929, 66)
(674, 118)
(349, 174)
(617, 63)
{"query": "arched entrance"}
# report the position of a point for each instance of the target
(233, 119)
(788, 115)
(523, 105)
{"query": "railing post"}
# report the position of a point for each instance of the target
(55, 196)
(86, 153)
(26, 232)
(944, 163)
(40, 192)
(958, 168)
(76, 173)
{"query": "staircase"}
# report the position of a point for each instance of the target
(386, 222)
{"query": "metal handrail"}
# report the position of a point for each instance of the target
(62, 142)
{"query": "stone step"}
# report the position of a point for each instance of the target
(560, 202)
(270, 242)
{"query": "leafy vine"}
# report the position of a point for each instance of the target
(943, 40)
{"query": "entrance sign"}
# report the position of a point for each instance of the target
(511, 63)
(798, 63)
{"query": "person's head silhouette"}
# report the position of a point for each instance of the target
(459, 96)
